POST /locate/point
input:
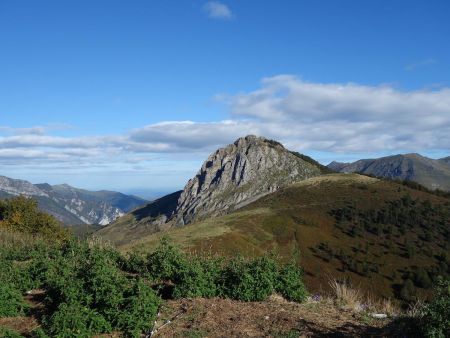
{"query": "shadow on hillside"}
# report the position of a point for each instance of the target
(404, 328)
(162, 206)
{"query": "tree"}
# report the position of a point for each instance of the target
(22, 214)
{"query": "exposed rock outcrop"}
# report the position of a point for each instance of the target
(238, 174)
(70, 205)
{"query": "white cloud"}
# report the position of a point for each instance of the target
(332, 118)
(218, 10)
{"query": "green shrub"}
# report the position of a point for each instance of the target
(134, 263)
(11, 301)
(88, 279)
(436, 316)
(7, 333)
(242, 279)
(250, 280)
(290, 283)
(198, 278)
(38, 333)
(23, 215)
(76, 320)
(139, 309)
(166, 261)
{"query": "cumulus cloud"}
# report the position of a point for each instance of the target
(218, 10)
(306, 116)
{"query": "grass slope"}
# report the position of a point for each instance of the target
(302, 218)
(137, 224)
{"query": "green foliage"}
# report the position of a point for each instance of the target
(11, 301)
(250, 280)
(7, 333)
(88, 290)
(89, 279)
(290, 283)
(239, 278)
(139, 308)
(435, 322)
(134, 263)
(166, 262)
(76, 320)
(422, 278)
(323, 169)
(22, 214)
(198, 278)
(407, 291)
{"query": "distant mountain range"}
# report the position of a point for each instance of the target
(433, 174)
(70, 205)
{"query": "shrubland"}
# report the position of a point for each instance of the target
(90, 288)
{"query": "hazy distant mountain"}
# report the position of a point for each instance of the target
(433, 174)
(445, 160)
(71, 205)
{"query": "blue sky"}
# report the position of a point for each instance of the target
(97, 93)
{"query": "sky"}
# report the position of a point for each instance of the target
(134, 95)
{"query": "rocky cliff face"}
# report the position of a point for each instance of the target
(71, 205)
(238, 174)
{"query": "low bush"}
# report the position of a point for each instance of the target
(138, 309)
(250, 280)
(88, 280)
(243, 279)
(23, 215)
(11, 301)
(436, 315)
(92, 289)
(198, 278)
(75, 320)
(7, 333)
(290, 283)
(166, 261)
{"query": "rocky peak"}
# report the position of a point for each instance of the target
(238, 174)
(19, 187)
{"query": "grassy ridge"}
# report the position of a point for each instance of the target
(302, 218)
(90, 288)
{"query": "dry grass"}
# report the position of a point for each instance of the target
(14, 239)
(415, 309)
(98, 242)
(350, 298)
(346, 296)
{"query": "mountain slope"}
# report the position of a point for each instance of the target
(229, 179)
(238, 174)
(376, 233)
(141, 222)
(445, 160)
(71, 205)
(433, 174)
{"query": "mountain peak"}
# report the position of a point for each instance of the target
(238, 174)
(253, 140)
(433, 174)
